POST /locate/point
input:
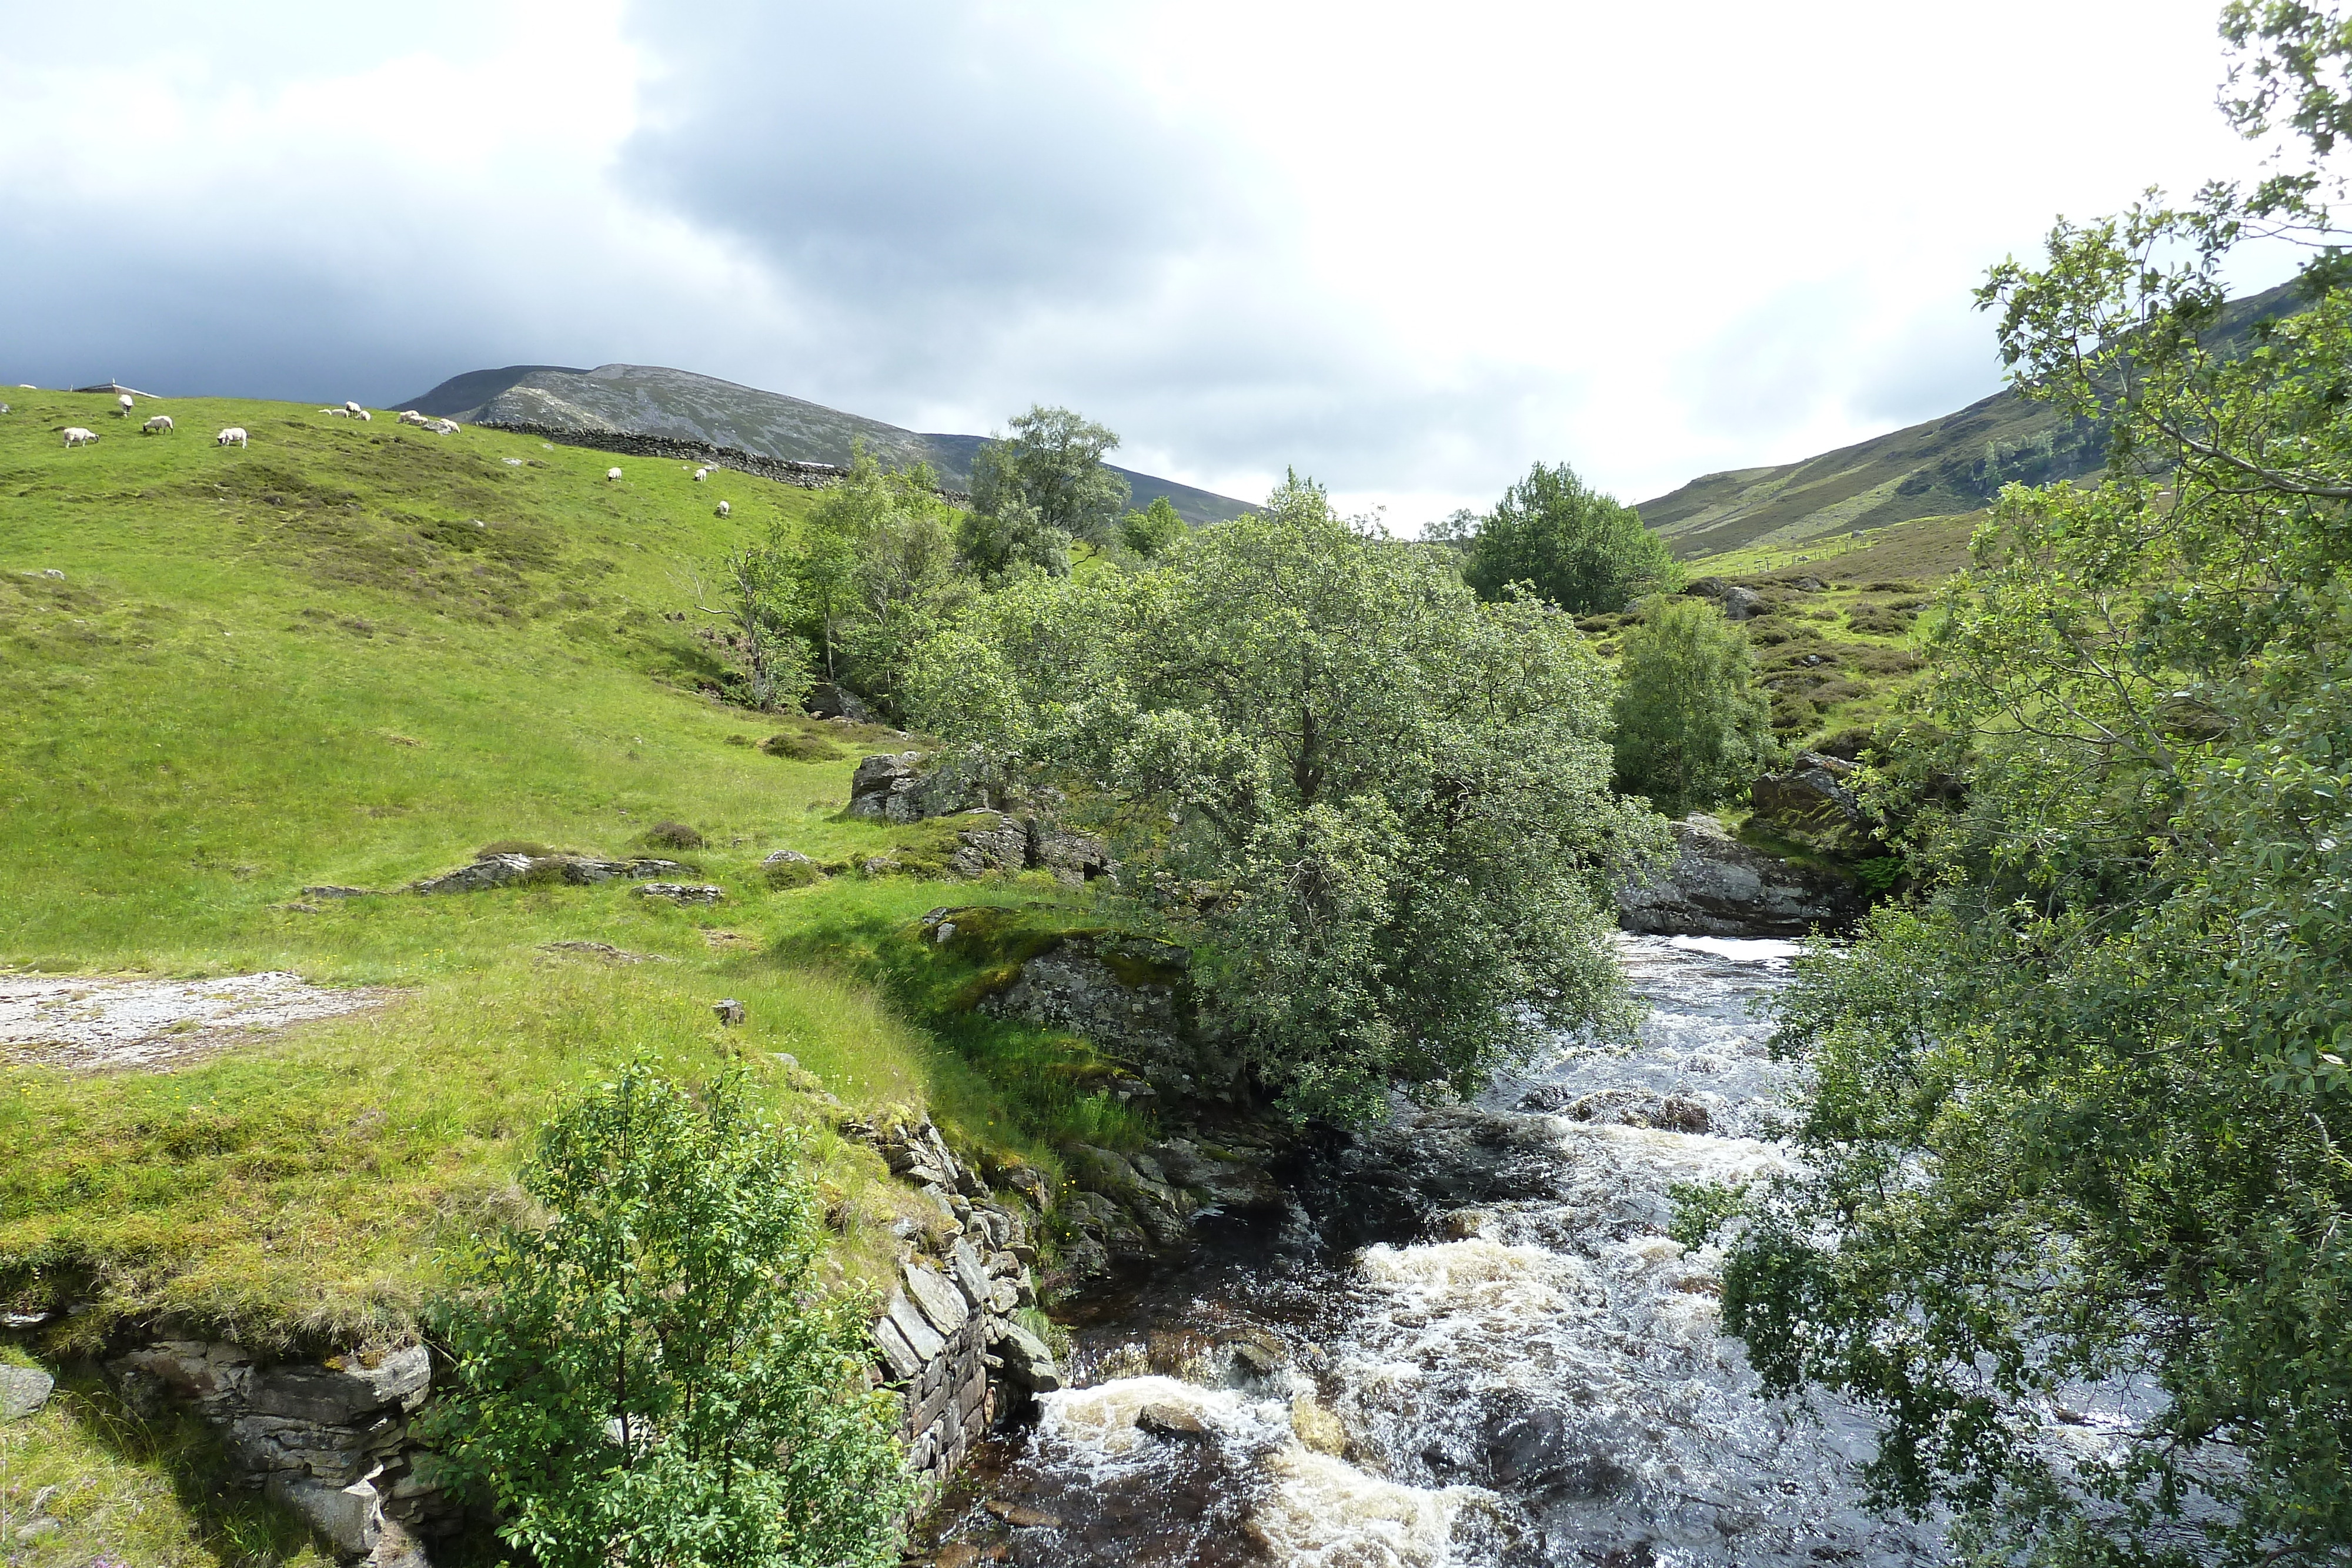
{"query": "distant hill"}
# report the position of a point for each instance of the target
(1953, 465)
(648, 399)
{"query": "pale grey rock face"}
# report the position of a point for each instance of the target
(1738, 604)
(1026, 1359)
(24, 1390)
(1718, 886)
(942, 1305)
(683, 891)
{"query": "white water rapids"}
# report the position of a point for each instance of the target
(1534, 1374)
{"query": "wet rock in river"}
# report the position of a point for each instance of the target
(1718, 886)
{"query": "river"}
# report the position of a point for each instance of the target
(1468, 1341)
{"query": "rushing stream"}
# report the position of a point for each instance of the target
(1469, 1341)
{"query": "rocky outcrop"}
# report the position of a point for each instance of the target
(1738, 604)
(1019, 833)
(1126, 994)
(22, 1391)
(1718, 886)
(682, 892)
(828, 700)
(329, 1440)
(1809, 804)
(509, 870)
(1010, 843)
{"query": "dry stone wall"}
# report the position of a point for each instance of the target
(785, 470)
(948, 1338)
(330, 1441)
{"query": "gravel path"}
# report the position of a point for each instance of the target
(85, 1023)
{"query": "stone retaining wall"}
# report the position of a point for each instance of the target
(785, 470)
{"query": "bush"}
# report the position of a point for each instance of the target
(802, 748)
(1576, 548)
(652, 1374)
(1692, 728)
(673, 836)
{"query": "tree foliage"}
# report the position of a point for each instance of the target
(1378, 808)
(1044, 481)
(1693, 728)
(651, 1376)
(1150, 532)
(756, 593)
(1574, 545)
(874, 560)
(2080, 1137)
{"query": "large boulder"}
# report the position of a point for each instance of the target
(1718, 886)
(1809, 804)
(1738, 604)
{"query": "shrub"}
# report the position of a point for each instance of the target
(652, 1373)
(673, 836)
(794, 748)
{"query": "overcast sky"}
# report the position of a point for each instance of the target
(1406, 249)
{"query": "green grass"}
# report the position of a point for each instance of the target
(302, 662)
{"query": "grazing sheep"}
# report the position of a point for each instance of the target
(157, 423)
(363, 414)
(443, 427)
(4, 408)
(123, 406)
(76, 435)
(700, 475)
(410, 416)
(722, 508)
(352, 408)
(233, 436)
(614, 475)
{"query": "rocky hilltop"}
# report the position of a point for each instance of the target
(653, 401)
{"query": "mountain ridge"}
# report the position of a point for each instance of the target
(659, 401)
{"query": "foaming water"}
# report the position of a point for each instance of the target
(1533, 1374)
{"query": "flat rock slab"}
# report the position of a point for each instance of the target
(23, 1390)
(86, 1022)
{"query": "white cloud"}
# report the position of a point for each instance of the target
(1408, 250)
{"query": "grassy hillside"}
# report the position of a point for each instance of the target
(1944, 466)
(353, 654)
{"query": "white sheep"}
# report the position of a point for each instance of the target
(443, 427)
(157, 424)
(700, 475)
(410, 416)
(76, 436)
(123, 406)
(722, 508)
(233, 436)
(352, 408)
(336, 412)
(614, 475)
(363, 414)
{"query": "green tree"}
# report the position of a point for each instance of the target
(1377, 809)
(2080, 1134)
(1151, 531)
(651, 1375)
(831, 567)
(1012, 537)
(1576, 548)
(757, 589)
(1053, 463)
(1693, 728)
